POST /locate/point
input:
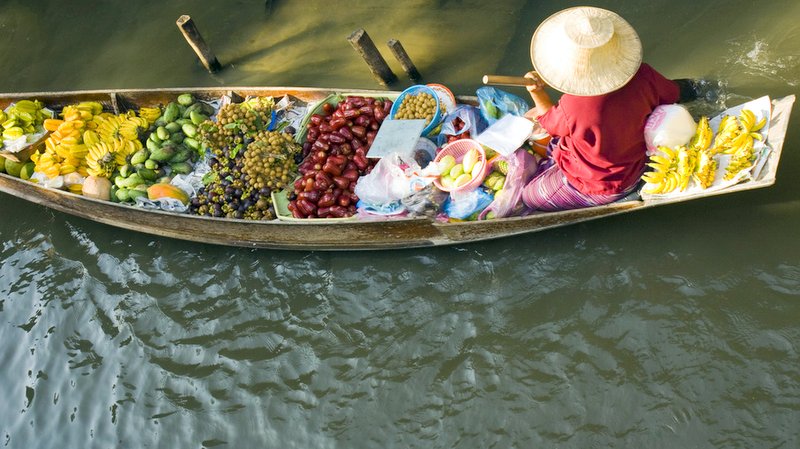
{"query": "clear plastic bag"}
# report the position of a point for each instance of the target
(496, 103)
(466, 206)
(424, 203)
(508, 201)
(385, 184)
(464, 122)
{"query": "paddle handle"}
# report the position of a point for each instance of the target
(502, 80)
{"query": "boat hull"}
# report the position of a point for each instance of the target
(322, 235)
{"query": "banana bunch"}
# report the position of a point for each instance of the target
(64, 150)
(741, 145)
(23, 117)
(88, 141)
(672, 169)
(702, 135)
(737, 132)
(123, 126)
(150, 114)
(706, 170)
(104, 157)
(742, 159)
(495, 180)
(664, 175)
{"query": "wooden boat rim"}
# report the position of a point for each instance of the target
(327, 235)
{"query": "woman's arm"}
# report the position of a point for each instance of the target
(541, 99)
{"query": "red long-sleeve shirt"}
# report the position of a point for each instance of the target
(601, 148)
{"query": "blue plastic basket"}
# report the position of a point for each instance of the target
(414, 90)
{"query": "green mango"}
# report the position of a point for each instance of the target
(189, 130)
(192, 143)
(171, 112)
(181, 155)
(27, 170)
(183, 121)
(147, 174)
(122, 195)
(177, 137)
(150, 164)
(13, 168)
(162, 133)
(135, 193)
(185, 99)
(140, 156)
(125, 170)
(164, 153)
(152, 145)
(188, 112)
(198, 118)
(160, 121)
(173, 127)
(154, 138)
(132, 181)
(182, 168)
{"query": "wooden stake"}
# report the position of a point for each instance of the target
(362, 43)
(198, 44)
(405, 60)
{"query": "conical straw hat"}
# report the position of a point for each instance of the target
(586, 51)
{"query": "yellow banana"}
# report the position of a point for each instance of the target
(702, 136)
(67, 169)
(90, 137)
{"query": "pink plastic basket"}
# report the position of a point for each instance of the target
(458, 149)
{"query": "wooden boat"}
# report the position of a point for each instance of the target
(322, 234)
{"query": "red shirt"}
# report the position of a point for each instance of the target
(602, 149)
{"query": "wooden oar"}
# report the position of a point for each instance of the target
(502, 80)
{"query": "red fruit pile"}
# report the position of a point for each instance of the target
(458, 124)
(335, 156)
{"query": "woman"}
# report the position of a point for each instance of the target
(597, 153)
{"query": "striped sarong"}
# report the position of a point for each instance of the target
(549, 191)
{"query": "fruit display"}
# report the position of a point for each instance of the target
(417, 106)
(496, 180)
(458, 125)
(247, 160)
(170, 148)
(64, 150)
(24, 117)
(673, 168)
(335, 156)
(454, 175)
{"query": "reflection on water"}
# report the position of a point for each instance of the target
(672, 327)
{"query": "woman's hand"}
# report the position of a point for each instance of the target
(541, 99)
(537, 85)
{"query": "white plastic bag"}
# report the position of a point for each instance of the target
(669, 125)
(386, 182)
(507, 134)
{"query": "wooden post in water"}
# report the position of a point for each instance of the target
(405, 61)
(198, 44)
(363, 44)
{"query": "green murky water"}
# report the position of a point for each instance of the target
(672, 327)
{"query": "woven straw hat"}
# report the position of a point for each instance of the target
(586, 51)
